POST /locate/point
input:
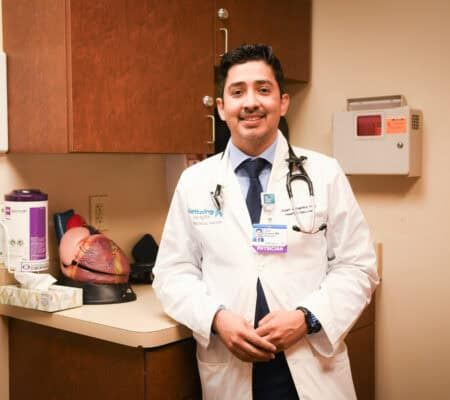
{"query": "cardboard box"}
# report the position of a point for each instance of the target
(56, 298)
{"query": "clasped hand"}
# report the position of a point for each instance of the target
(276, 332)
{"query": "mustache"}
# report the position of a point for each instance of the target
(251, 113)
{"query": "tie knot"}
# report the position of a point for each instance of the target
(253, 167)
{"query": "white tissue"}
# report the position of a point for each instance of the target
(32, 280)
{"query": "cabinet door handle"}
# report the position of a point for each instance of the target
(213, 123)
(225, 31)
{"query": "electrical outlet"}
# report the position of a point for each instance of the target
(98, 212)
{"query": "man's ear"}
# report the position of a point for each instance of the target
(219, 102)
(284, 103)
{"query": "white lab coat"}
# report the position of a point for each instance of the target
(206, 260)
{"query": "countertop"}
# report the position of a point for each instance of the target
(140, 323)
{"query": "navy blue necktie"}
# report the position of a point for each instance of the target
(253, 200)
(270, 380)
(253, 169)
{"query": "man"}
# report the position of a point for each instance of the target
(269, 317)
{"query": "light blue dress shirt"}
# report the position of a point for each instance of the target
(237, 157)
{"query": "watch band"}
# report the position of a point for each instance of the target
(312, 323)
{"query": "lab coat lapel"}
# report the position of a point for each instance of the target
(234, 201)
(279, 167)
(277, 181)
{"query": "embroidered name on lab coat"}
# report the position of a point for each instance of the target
(301, 210)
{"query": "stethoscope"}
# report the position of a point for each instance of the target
(296, 171)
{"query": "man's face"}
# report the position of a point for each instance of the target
(252, 106)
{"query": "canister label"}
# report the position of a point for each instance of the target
(38, 233)
(27, 230)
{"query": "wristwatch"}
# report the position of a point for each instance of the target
(312, 323)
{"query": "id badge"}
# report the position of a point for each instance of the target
(269, 239)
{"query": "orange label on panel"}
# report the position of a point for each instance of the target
(396, 125)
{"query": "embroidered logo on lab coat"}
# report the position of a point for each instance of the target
(205, 216)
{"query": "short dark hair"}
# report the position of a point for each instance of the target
(246, 53)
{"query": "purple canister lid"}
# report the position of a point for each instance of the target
(26, 195)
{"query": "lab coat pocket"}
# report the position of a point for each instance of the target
(215, 353)
(212, 364)
(310, 247)
(311, 228)
(333, 372)
(212, 378)
(303, 237)
(301, 220)
(337, 371)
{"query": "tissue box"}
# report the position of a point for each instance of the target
(55, 298)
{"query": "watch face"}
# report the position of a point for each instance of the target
(314, 324)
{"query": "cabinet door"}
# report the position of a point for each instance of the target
(361, 350)
(34, 41)
(51, 364)
(139, 70)
(171, 372)
(285, 25)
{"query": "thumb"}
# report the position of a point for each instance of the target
(248, 324)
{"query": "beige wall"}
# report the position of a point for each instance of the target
(135, 185)
(369, 48)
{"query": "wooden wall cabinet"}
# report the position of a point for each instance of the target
(109, 75)
(130, 75)
(285, 25)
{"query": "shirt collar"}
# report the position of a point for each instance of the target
(237, 156)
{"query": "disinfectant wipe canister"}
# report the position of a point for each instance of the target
(25, 219)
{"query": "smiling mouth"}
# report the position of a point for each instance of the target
(251, 117)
